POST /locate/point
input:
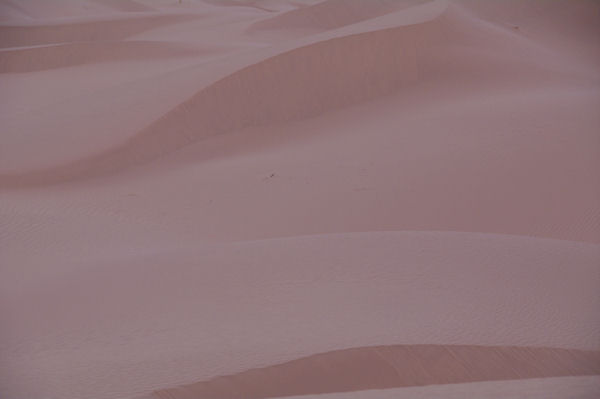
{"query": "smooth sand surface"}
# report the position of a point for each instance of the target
(335, 199)
(385, 367)
(547, 388)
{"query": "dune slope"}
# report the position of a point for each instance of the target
(94, 29)
(359, 369)
(69, 54)
(299, 198)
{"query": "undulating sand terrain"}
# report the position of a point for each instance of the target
(244, 199)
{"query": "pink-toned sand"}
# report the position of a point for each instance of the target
(236, 199)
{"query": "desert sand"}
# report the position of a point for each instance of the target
(330, 199)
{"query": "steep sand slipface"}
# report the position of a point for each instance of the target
(228, 199)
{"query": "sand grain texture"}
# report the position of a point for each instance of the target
(299, 198)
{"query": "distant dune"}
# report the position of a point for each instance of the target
(63, 55)
(331, 14)
(90, 30)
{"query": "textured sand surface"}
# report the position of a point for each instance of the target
(338, 198)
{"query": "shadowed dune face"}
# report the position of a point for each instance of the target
(263, 5)
(123, 5)
(386, 367)
(329, 74)
(88, 31)
(337, 199)
(27, 10)
(428, 54)
(69, 54)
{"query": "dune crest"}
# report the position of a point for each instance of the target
(331, 14)
(63, 55)
(329, 73)
(189, 311)
(94, 29)
(124, 5)
(385, 367)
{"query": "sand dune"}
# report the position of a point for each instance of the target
(331, 14)
(40, 9)
(231, 103)
(88, 31)
(547, 388)
(205, 309)
(124, 5)
(263, 5)
(384, 367)
(331, 199)
(63, 55)
(374, 63)
(430, 132)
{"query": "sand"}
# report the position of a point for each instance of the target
(330, 199)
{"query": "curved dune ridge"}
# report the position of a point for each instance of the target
(329, 73)
(34, 9)
(263, 5)
(233, 102)
(537, 388)
(68, 54)
(189, 312)
(384, 367)
(86, 31)
(124, 5)
(331, 14)
(330, 199)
